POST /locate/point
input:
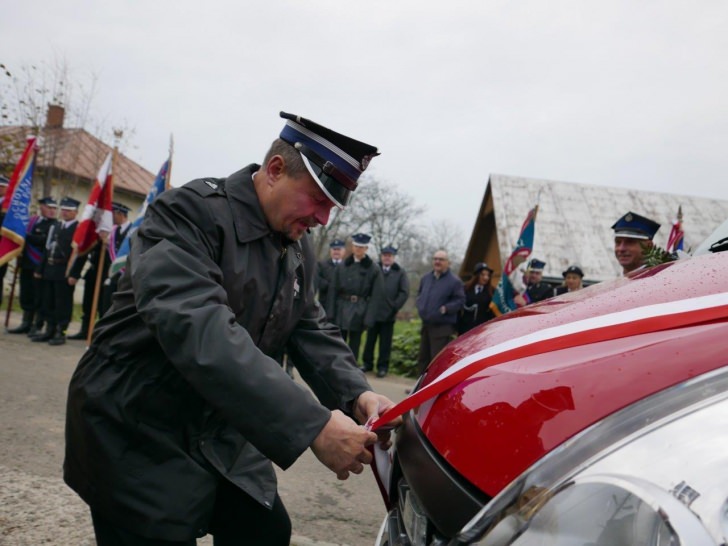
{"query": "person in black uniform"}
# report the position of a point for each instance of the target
(118, 234)
(537, 289)
(178, 409)
(58, 288)
(30, 287)
(395, 292)
(93, 258)
(572, 280)
(355, 284)
(478, 294)
(325, 272)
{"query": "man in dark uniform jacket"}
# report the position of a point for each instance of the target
(537, 289)
(177, 408)
(57, 287)
(395, 292)
(93, 258)
(325, 271)
(355, 284)
(30, 287)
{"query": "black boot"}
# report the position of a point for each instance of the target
(25, 325)
(82, 333)
(44, 336)
(59, 337)
(35, 328)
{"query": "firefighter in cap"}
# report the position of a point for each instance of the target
(178, 409)
(633, 235)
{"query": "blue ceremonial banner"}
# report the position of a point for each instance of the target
(17, 215)
(160, 184)
(504, 296)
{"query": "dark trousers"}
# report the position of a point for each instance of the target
(62, 294)
(3, 269)
(237, 520)
(384, 331)
(47, 303)
(433, 339)
(28, 285)
(353, 338)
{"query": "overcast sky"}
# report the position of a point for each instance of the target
(627, 93)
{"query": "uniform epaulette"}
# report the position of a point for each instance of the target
(207, 186)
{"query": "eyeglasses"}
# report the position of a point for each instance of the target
(439, 259)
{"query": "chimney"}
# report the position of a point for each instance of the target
(54, 117)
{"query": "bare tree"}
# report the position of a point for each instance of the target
(388, 215)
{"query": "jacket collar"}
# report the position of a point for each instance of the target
(248, 218)
(366, 261)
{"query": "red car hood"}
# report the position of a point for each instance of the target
(494, 425)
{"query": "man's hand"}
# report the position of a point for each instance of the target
(72, 281)
(371, 405)
(342, 445)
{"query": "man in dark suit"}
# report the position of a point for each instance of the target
(325, 272)
(30, 288)
(537, 289)
(57, 288)
(394, 295)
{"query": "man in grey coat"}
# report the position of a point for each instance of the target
(178, 408)
(394, 295)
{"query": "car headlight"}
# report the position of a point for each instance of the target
(413, 516)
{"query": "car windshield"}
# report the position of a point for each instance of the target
(716, 241)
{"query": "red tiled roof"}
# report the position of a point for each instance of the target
(77, 152)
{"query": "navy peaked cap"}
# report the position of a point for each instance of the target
(389, 249)
(361, 239)
(481, 266)
(69, 203)
(536, 265)
(337, 243)
(573, 269)
(635, 226)
(334, 161)
(48, 201)
(119, 207)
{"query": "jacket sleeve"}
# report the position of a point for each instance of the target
(179, 295)
(376, 297)
(456, 301)
(402, 292)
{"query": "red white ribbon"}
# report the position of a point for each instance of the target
(632, 322)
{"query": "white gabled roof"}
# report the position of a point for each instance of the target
(574, 221)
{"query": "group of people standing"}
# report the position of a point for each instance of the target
(46, 281)
(359, 294)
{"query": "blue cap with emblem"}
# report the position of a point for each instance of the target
(337, 243)
(361, 239)
(119, 207)
(573, 269)
(634, 226)
(334, 161)
(536, 265)
(48, 201)
(69, 203)
(389, 249)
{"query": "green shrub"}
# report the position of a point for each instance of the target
(405, 347)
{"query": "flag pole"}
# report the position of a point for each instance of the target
(104, 245)
(169, 166)
(12, 292)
